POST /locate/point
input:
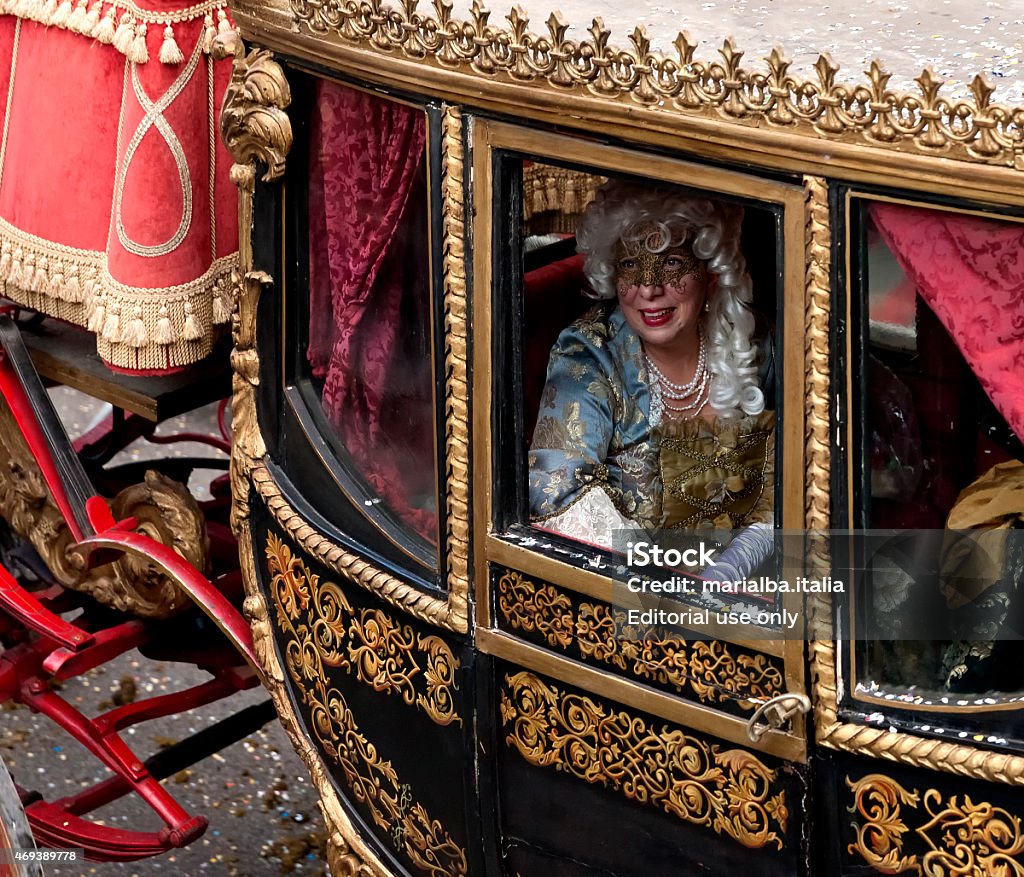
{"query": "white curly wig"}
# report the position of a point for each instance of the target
(713, 228)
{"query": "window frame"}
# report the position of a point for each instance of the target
(959, 713)
(301, 446)
(496, 544)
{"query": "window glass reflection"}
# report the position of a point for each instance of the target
(943, 409)
(369, 350)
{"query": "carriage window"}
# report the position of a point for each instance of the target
(647, 360)
(943, 410)
(369, 342)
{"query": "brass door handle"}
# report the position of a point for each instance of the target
(774, 713)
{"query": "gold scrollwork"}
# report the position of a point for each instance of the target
(717, 675)
(253, 123)
(870, 112)
(708, 670)
(963, 839)
(730, 791)
(384, 655)
(164, 510)
(535, 608)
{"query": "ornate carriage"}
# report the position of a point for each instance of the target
(458, 678)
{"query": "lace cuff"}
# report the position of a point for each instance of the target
(593, 518)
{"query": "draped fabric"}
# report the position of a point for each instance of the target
(970, 272)
(116, 209)
(369, 290)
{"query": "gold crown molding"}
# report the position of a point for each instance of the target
(882, 743)
(965, 839)
(456, 403)
(867, 112)
(323, 630)
(730, 792)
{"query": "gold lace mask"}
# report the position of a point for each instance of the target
(636, 265)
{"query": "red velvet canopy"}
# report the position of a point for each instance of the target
(116, 211)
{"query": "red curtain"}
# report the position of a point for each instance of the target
(369, 282)
(970, 272)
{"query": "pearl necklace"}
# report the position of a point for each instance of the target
(667, 391)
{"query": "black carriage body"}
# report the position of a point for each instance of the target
(455, 686)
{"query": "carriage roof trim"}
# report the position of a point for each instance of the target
(727, 105)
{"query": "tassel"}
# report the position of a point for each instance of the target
(73, 291)
(48, 11)
(112, 324)
(5, 260)
(97, 315)
(169, 51)
(221, 303)
(124, 34)
(28, 9)
(55, 282)
(135, 332)
(192, 331)
(137, 51)
(209, 33)
(76, 20)
(89, 288)
(40, 277)
(92, 18)
(107, 27)
(164, 333)
(15, 275)
(63, 13)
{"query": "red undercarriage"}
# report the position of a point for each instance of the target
(44, 649)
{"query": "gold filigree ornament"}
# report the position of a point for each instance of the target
(871, 113)
(322, 630)
(717, 675)
(728, 791)
(963, 839)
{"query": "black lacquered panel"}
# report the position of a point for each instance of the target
(587, 786)
(382, 698)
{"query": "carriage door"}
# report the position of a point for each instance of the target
(919, 698)
(614, 739)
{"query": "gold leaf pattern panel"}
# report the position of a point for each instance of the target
(730, 792)
(318, 629)
(710, 671)
(961, 838)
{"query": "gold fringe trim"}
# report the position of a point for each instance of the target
(124, 25)
(135, 328)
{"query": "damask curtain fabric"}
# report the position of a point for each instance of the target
(116, 210)
(369, 281)
(970, 272)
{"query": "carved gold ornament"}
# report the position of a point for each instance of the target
(868, 112)
(963, 839)
(322, 630)
(708, 670)
(729, 791)
(165, 510)
(253, 123)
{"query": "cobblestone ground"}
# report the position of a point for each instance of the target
(256, 794)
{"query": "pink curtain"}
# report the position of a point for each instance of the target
(367, 209)
(970, 271)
